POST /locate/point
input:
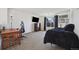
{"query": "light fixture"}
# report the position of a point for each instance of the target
(11, 21)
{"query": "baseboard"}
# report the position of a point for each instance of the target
(32, 32)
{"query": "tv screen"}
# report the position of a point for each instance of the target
(35, 19)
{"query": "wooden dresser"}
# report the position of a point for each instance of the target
(37, 26)
(10, 38)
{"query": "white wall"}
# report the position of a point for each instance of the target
(75, 20)
(3, 16)
(41, 20)
(19, 16)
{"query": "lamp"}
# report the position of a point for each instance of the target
(11, 21)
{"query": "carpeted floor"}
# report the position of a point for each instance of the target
(34, 41)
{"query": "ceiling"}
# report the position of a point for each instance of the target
(43, 11)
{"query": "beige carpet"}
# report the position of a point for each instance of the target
(34, 41)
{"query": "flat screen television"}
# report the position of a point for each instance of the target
(35, 19)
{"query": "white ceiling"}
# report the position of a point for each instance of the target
(43, 11)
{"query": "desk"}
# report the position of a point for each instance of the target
(10, 38)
